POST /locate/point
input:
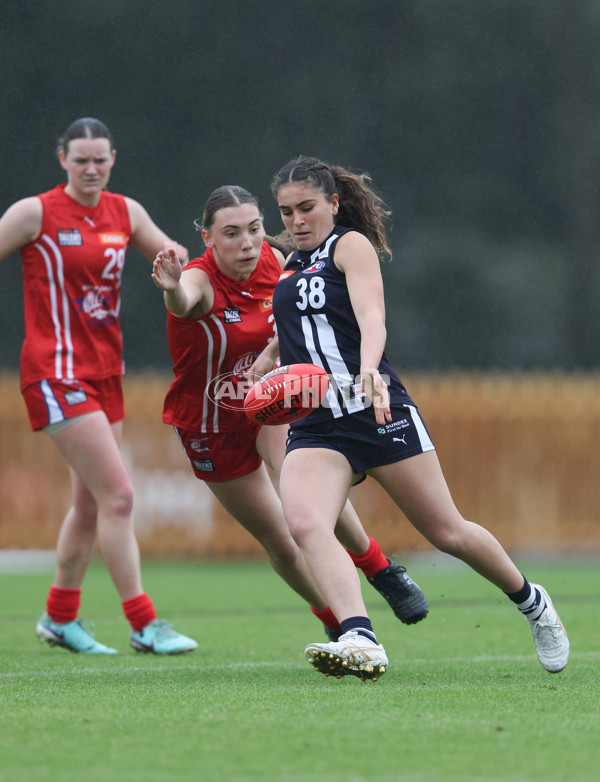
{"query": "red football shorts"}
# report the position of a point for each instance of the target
(222, 457)
(53, 401)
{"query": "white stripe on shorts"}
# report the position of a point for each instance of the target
(55, 414)
(424, 438)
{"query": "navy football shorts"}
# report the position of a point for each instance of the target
(363, 441)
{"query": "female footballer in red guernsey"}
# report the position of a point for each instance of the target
(73, 241)
(221, 330)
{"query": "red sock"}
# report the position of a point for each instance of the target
(62, 605)
(139, 611)
(327, 617)
(371, 562)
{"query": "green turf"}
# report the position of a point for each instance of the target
(464, 699)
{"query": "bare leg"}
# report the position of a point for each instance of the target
(253, 502)
(77, 538)
(102, 488)
(314, 485)
(349, 530)
(418, 487)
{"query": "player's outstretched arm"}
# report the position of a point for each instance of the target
(185, 293)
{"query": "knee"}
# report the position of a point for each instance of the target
(302, 527)
(118, 503)
(447, 543)
(450, 539)
(84, 513)
(279, 542)
(283, 553)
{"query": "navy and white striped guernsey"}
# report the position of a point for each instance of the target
(316, 325)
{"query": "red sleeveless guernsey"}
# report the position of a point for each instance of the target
(72, 282)
(211, 354)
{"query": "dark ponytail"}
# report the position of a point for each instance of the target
(359, 205)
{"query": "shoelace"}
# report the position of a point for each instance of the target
(389, 583)
(86, 625)
(542, 624)
(164, 628)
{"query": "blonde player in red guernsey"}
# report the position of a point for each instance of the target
(221, 331)
(73, 241)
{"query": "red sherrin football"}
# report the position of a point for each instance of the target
(286, 394)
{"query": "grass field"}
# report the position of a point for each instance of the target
(464, 698)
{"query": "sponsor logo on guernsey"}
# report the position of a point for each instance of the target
(204, 465)
(316, 267)
(75, 397)
(69, 237)
(285, 274)
(266, 305)
(114, 237)
(232, 315)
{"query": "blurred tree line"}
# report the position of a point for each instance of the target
(478, 122)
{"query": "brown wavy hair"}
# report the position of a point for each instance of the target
(360, 206)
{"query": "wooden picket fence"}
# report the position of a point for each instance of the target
(520, 452)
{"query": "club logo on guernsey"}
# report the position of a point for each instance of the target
(241, 367)
(316, 267)
(69, 237)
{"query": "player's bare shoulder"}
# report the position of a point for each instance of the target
(352, 241)
(20, 225)
(353, 248)
(137, 213)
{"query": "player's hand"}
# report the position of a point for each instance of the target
(181, 251)
(166, 270)
(376, 389)
(262, 364)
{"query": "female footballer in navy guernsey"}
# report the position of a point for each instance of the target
(329, 310)
(330, 337)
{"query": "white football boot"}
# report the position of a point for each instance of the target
(551, 640)
(351, 654)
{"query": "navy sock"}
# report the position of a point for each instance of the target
(362, 625)
(529, 600)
